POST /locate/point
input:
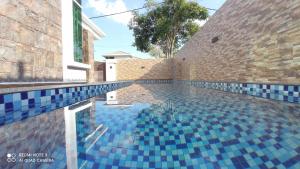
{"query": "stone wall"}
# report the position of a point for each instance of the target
(88, 54)
(134, 69)
(259, 41)
(30, 40)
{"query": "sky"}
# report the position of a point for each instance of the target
(118, 37)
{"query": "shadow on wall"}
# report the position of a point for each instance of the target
(99, 71)
(19, 76)
(181, 72)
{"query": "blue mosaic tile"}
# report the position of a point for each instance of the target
(288, 93)
(16, 103)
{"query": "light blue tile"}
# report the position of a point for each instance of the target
(8, 98)
(16, 97)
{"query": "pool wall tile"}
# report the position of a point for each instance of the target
(287, 93)
(13, 105)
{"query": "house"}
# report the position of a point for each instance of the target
(118, 55)
(46, 42)
(78, 57)
(111, 61)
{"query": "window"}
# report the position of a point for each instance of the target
(77, 30)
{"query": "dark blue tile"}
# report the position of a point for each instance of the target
(219, 157)
(43, 93)
(52, 98)
(213, 141)
(263, 166)
(298, 149)
(181, 146)
(240, 162)
(276, 161)
(222, 150)
(152, 164)
(9, 106)
(108, 166)
(96, 166)
(31, 101)
(1, 99)
(264, 158)
(230, 142)
(292, 161)
(24, 95)
(116, 162)
(175, 157)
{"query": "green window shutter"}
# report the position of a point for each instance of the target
(78, 56)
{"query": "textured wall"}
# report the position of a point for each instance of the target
(133, 69)
(88, 53)
(30, 40)
(259, 41)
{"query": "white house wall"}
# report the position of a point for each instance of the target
(67, 36)
(111, 70)
(72, 71)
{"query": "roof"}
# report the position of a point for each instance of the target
(92, 27)
(118, 53)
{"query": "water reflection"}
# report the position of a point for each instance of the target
(73, 137)
(41, 134)
(143, 125)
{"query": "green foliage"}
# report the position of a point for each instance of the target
(168, 25)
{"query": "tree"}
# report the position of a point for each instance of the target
(156, 52)
(167, 25)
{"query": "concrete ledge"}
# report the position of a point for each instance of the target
(77, 65)
(32, 84)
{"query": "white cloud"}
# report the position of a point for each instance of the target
(106, 7)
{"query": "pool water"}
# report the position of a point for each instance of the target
(158, 126)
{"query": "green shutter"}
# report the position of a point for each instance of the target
(77, 33)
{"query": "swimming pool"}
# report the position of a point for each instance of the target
(157, 126)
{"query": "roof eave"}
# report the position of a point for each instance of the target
(92, 27)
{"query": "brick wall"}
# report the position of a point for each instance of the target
(30, 40)
(133, 69)
(259, 41)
